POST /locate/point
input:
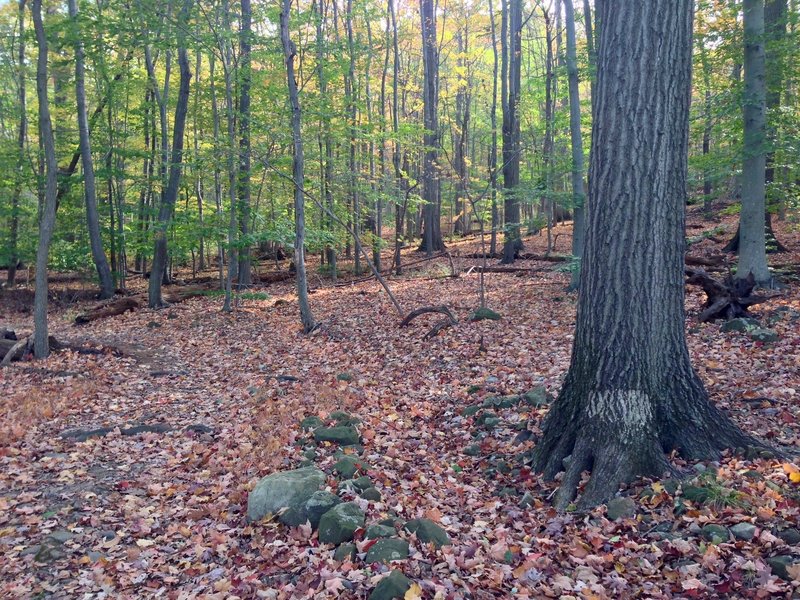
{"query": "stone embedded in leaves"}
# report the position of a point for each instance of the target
(386, 550)
(345, 552)
(339, 524)
(428, 531)
(472, 450)
(740, 324)
(362, 483)
(285, 490)
(483, 314)
(316, 506)
(537, 396)
(395, 585)
(716, 534)
(790, 536)
(311, 423)
(371, 494)
(342, 435)
(695, 493)
(343, 418)
(744, 531)
(347, 466)
(620, 508)
(764, 335)
(379, 531)
(780, 565)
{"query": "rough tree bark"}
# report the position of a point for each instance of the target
(431, 227)
(290, 51)
(245, 77)
(493, 147)
(752, 238)
(47, 217)
(631, 394)
(13, 257)
(90, 191)
(171, 193)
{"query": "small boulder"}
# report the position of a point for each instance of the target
(286, 490)
(362, 483)
(484, 314)
(744, 531)
(740, 324)
(344, 418)
(386, 550)
(428, 531)
(395, 585)
(537, 396)
(472, 450)
(780, 565)
(343, 435)
(345, 552)
(371, 494)
(339, 524)
(347, 466)
(716, 534)
(620, 508)
(316, 506)
(379, 531)
(790, 536)
(764, 335)
(311, 423)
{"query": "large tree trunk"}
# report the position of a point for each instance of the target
(493, 147)
(511, 80)
(431, 214)
(631, 393)
(90, 191)
(47, 216)
(752, 239)
(578, 191)
(171, 193)
(13, 256)
(298, 173)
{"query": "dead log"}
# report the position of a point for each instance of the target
(6, 345)
(449, 321)
(275, 276)
(176, 296)
(103, 311)
(17, 351)
(715, 261)
(546, 257)
(727, 299)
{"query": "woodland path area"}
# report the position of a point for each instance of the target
(155, 513)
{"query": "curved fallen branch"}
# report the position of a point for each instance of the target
(726, 299)
(448, 321)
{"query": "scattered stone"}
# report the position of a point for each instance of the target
(108, 534)
(484, 314)
(345, 552)
(362, 483)
(344, 376)
(199, 428)
(752, 474)
(741, 325)
(342, 435)
(339, 524)
(474, 388)
(379, 531)
(317, 505)
(347, 466)
(311, 423)
(469, 411)
(537, 396)
(695, 493)
(310, 454)
(764, 335)
(790, 536)
(527, 500)
(343, 418)
(395, 585)
(386, 550)
(60, 536)
(716, 534)
(744, 531)
(428, 531)
(620, 508)
(285, 490)
(371, 494)
(472, 450)
(780, 565)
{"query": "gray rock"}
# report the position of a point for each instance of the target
(61, 536)
(483, 314)
(339, 524)
(780, 565)
(428, 531)
(740, 325)
(345, 552)
(371, 494)
(471, 410)
(379, 531)
(286, 490)
(527, 500)
(472, 450)
(716, 534)
(395, 585)
(343, 418)
(537, 396)
(620, 508)
(362, 483)
(790, 536)
(316, 506)
(310, 454)
(386, 550)
(744, 531)
(764, 335)
(345, 435)
(311, 423)
(348, 465)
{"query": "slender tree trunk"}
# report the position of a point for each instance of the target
(170, 196)
(549, 117)
(752, 240)
(493, 147)
(13, 258)
(578, 190)
(399, 205)
(228, 65)
(217, 173)
(351, 101)
(47, 214)
(592, 54)
(631, 394)
(198, 171)
(707, 126)
(298, 175)
(90, 191)
(245, 77)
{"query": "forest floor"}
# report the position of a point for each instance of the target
(162, 513)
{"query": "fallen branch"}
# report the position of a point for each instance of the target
(728, 299)
(105, 310)
(426, 310)
(440, 326)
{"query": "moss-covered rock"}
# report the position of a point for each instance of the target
(484, 314)
(386, 550)
(339, 524)
(428, 532)
(395, 585)
(343, 435)
(286, 491)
